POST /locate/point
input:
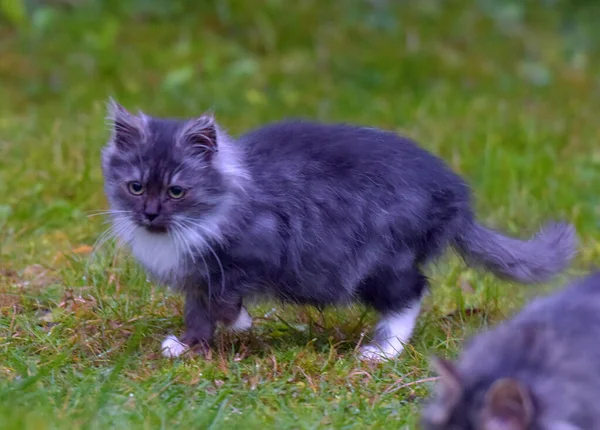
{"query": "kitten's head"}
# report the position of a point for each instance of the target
(501, 404)
(167, 176)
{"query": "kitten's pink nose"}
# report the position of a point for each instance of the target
(151, 215)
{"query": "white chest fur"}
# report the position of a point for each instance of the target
(158, 253)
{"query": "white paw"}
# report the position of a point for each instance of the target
(243, 321)
(378, 353)
(393, 331)
(171, 347)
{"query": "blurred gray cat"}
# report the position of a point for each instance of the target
(539, 370)
(303, 212)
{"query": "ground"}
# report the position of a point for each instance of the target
(506, 92)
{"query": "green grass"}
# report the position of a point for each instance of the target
(507, 93)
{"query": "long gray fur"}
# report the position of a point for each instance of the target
(527, 261)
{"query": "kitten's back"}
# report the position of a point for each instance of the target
(343, 149)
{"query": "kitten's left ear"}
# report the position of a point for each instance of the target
(200, 135)
(450, 384)
(508, 406)
(449, 392)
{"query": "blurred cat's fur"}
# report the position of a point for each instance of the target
(539, 370)
(300, 211)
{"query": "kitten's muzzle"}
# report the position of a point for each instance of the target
(154, 223)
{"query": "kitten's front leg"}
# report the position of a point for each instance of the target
(199, 327)
(201, 319)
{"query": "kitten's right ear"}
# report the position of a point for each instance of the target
(127, 129)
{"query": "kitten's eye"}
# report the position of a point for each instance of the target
(176, 192)
(135, 188)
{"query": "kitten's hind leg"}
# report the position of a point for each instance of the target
(397, 296)
(393, 331)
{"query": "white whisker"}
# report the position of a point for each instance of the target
(182, 239)
(183, 230)
(121, 225)
(107, 212)
(205, 243)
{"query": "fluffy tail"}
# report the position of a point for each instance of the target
(527, 261)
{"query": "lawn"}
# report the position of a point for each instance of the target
(506, 92)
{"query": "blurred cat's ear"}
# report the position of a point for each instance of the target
(127, 129)
(449, 392)
(508, 406)
(200, 135)
(449, 377)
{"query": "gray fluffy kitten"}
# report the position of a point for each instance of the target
(300, 211)
(538, 371)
